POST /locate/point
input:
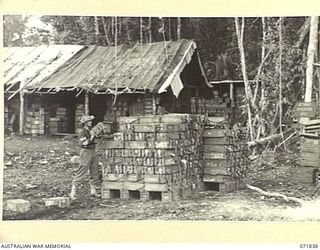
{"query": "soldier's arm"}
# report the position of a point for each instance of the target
(83, 139)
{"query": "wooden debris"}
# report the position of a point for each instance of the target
(274, 194)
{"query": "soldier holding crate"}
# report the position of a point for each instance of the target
(87, 158)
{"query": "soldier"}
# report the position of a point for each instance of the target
(317, 190)
(87, 158)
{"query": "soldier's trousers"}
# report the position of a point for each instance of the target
(88, 160)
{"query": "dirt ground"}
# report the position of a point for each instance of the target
(36, 168)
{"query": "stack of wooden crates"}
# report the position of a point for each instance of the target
(309, 166)
(35, 121)
(309, 153)
(213, 107)
(154, 157)
(225, 156)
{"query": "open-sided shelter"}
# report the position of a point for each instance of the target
(71, 79)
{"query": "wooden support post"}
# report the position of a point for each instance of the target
(21, 122)
(86, 103)
(154, 104)
(231, 92)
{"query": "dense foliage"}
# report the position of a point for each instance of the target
(275, 67)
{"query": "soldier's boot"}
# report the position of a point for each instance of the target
(93, 191)
(72, 195)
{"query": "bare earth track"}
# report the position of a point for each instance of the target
(39, 168)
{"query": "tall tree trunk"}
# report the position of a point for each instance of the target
(169, 27)
(312, 47)
(244, 72)
(179, 28)
(280, 77)
(150, 29)
(115, 37)
(112, 25)
(96, 25)
(141, 31)
(105, 27)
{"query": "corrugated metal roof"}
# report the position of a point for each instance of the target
(30, 65)
(101, 68)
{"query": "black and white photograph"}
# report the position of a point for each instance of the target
(161, 118)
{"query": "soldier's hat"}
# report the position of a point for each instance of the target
(86, 118)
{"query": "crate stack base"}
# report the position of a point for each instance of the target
(225, 158)
(154, 157)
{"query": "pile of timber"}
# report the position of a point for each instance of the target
(154, 157)
(225, 156)
(35, 122)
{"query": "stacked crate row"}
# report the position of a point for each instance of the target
(225, 156)
(211, 107)
(62, 113)
(137, 107)
(35, 122)
(121, 107)
(53, 125)
(154, 156)
(141, 105)
(149, 105)
(309, 160)
(59, 120)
